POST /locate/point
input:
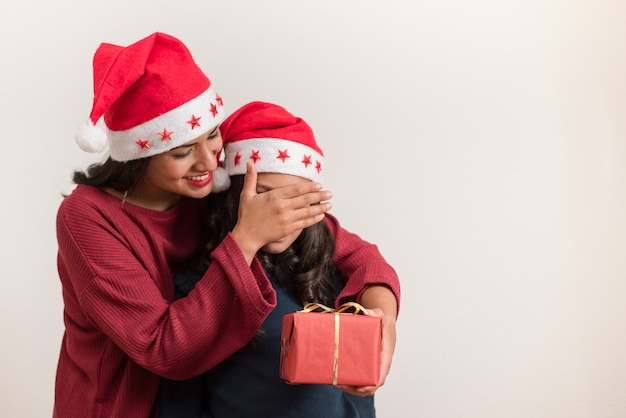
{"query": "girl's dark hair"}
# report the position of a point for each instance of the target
(306, 267)
(121, 176)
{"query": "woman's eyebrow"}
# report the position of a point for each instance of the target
(182, 146)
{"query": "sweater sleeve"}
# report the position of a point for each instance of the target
(113, 294)
(361, 264)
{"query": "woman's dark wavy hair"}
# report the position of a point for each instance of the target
(121, 176)
(306, 267)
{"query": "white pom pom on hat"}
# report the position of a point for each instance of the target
(221, 180)
(91, 138)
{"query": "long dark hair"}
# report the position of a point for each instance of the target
(121, 176)
(306, 267)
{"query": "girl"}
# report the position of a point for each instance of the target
(300, 267)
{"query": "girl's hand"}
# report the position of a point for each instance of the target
(380, 301)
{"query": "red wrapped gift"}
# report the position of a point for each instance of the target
(332, 347)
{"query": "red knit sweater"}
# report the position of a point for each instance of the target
(123, 330)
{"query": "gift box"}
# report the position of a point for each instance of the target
(335, 347)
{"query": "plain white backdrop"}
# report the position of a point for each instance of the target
(479, 143)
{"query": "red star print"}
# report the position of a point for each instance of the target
(318, 166)
(218, 99)
(306, 160)
(283, 155)
(195, 121)
(166, 135)
(143, 144)
(255, 156)
(237, 158)
(213, 110)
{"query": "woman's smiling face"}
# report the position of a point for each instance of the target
(183, 171)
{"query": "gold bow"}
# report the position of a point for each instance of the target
(310, 307)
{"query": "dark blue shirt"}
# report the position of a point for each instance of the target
(248, 384)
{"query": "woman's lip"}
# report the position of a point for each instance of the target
(199, 181)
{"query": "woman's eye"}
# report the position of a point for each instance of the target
(182, 155)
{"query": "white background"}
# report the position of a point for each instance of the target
(480, 144)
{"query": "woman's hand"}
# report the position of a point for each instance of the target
(270, 216)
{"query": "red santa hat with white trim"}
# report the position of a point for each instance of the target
(273, 139)
(152, 96)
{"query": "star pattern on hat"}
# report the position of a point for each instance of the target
(219, 100)
(306, 160)
(194, 121)
(237, 158)
(283, 155)
(143, 144)
(318, 166)
(254, 156)
(166, 135)
(213, 110)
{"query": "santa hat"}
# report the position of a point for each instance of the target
(153, 98)
(273, 139)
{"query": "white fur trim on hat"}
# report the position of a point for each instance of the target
(169, 130)
(274, 155)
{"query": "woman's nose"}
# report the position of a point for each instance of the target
(207, 158)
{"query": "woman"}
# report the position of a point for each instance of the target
(133, 221)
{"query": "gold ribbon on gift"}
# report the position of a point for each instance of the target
(357, 309)
(310, 307)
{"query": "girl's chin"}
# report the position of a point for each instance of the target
(275, 247)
